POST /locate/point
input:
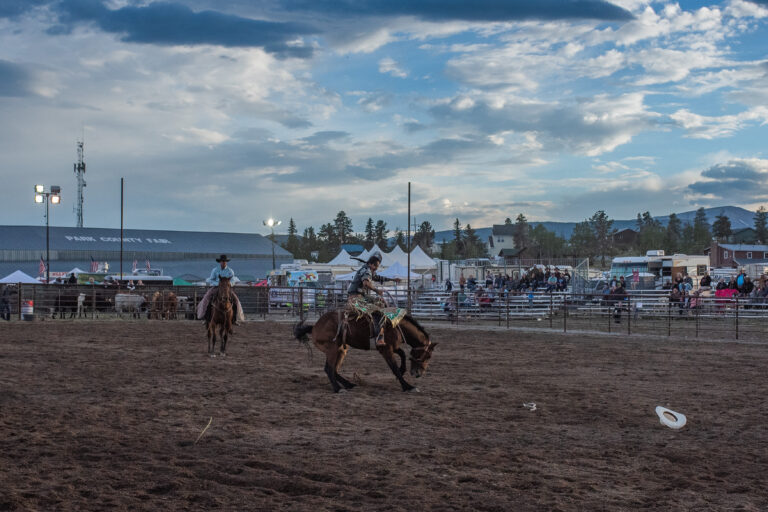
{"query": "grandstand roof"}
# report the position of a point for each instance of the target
(139, 241)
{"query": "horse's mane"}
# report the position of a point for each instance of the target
(417, 325)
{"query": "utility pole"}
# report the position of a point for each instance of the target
(79, 169)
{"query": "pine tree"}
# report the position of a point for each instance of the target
(459, 247)
(721, 228)
(474, 247)
(508, 221)
(424, 236)
(522, 232)
(309, 243)
(602, 227)
(688, 242)
(292, 244)
(370, 234)
(399, 239)
(343, 227)
(674, 235)
(761, 225)
(651, 234)
(380, 233)
(701, 233)
(582, 240)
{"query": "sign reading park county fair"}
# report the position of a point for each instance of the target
(73, 238)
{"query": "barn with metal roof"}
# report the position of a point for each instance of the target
(174, 252)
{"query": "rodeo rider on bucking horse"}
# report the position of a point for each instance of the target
(358, 290)
(203, 309)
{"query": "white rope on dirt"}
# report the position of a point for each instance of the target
(206, 428)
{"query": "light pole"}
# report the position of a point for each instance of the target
(271, 224)
(53, 197)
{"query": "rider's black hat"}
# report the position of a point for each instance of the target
(374, 257)
(221, 258)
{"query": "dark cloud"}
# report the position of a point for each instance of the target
(413, 127)
(479, 10)
(738, 181)
(14, 8)
(165, 23)
(320, 138)
(558, 126)
(15, 80)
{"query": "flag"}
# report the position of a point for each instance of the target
(41, 267)
(133, 268)
(148, 266)
(94, 265)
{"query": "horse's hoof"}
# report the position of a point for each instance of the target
(212, 356)
(413, 390)
(341, 391)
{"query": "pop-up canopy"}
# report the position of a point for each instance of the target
(19, 277)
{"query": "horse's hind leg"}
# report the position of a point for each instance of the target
(340, 355)
(331, 354)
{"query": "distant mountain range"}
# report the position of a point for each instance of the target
(739, 217)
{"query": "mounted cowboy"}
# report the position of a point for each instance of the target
(222, 271)
(358, 292)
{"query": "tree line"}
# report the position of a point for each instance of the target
(592, 238)
(327, 241)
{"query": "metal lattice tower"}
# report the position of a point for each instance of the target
(80, 173)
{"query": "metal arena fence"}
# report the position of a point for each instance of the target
(651, 313)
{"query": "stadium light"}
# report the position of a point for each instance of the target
(271, 224)
(41, 196)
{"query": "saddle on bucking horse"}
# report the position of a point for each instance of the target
(375, 313)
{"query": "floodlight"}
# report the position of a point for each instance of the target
(39, 189)
(38, 198)
(55, 199)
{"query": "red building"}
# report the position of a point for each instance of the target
(734, 255)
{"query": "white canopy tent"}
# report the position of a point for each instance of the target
(19, 277)
(343, 258)
(420, 259)
(396, 255)
(345, 277)
(76, 271)
(398, 271)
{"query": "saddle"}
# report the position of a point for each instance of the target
(359, 309)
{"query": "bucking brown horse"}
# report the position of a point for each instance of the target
(332, 341)
(222, 316)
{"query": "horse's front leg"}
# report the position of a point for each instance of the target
(211, 341)
(400, 352)
(388, 355)
(224, 335)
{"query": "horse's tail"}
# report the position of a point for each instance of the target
(300, 332)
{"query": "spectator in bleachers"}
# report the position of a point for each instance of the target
(448, 284)
(706, 282)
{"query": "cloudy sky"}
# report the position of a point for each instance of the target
(219, 114)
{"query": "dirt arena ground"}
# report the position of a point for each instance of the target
(104, 415)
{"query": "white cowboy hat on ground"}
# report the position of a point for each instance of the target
(671, 419)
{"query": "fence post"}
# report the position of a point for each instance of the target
(194, 304)
(565, 313)
(737, 318)
(629, 314)
(551, 312)
(669, 319)
(93, 301)
(301, 304)
(609, 315)
(507, 308)
(698, 307)
(21, 291)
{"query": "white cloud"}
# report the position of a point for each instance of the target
(388, 65)
(710, 127)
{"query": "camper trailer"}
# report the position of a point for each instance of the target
(664, 268)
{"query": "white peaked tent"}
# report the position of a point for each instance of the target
(398, 271)
(396, 255)
(19, 277)
(345, 277)
(367, 254)
(420, 259)
(343, 258)
(76, 271)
